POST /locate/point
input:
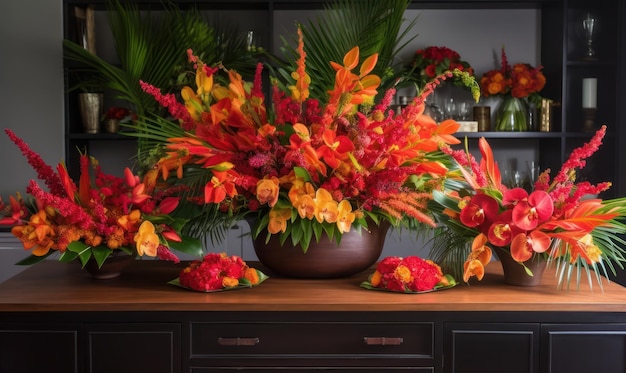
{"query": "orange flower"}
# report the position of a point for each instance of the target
(147, 239)
(326, 208)
(477, 259)
(278, 220)
(345, 216)
(267, 191)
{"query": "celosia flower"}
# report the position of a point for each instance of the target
(410, 274)
(218, 271)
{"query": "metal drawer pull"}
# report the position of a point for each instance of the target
(237, 341)
(383, 341)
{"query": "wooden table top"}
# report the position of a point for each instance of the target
(54, 286)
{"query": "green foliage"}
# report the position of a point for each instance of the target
(373, 25)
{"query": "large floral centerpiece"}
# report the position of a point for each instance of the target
(517, 85)
(556, 221)
(101, 217)
(430, 62)
(310, 166)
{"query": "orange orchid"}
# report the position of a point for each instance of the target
(147, 239)
(219, 187)
(477, 259)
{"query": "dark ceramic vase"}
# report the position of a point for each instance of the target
(514, 273)
(111, 268)
(323, 259)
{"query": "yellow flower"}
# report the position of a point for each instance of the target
(345, 217)
(325, 206)
(278, 220)
(147, 239)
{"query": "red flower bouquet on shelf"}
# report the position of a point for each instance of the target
(97, 218)
(554, 221)
(513, 83)
(431, 62)
(312, 165)
(408, 275)
(217, 272)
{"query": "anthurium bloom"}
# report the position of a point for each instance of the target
(533, 211)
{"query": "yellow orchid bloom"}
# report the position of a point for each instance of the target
(147, 239)
(278, 220)
(345, 216)
(326, 208)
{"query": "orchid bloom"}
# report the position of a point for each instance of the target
(278, 220)
(326, 208)
(527, 214)
(480, 211)
(345, 216)
(267, 191)
(524, 246)
(147, 240)
(477, 259)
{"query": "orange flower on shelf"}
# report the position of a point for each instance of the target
(555, 221)
(520, 80)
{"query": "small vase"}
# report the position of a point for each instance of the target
(111, 268)
(514, 272)
(324, 259)
(512, 115)
(91, 105)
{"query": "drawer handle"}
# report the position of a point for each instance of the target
(383, 341)
(237, 341)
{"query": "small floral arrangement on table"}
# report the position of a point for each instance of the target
(430, 62)
(310, 166)
(554, 221)
(408, 275)
(520, 81)
(102, 216)
(218, 272)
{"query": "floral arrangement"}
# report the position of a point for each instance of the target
(217, 272)
(431, 62)
(120, 113)
(97, 218)
(310, 166)
(520, 80)
(408, 275)
(555, 221)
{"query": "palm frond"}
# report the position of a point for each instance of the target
(373, 25)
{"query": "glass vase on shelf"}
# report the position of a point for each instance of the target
(512, 115)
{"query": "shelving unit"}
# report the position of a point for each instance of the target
(561, 57)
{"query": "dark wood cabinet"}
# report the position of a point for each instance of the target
(491, 347)
(34, 348)
(52, 318)
(129, 348)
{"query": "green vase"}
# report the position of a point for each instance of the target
(512, 115)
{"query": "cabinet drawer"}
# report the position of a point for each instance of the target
(414, 340)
